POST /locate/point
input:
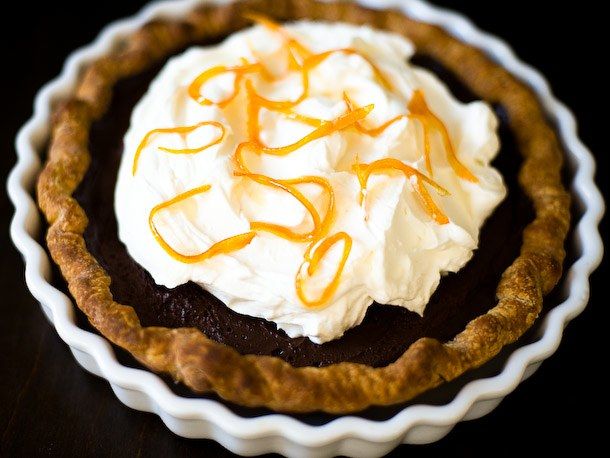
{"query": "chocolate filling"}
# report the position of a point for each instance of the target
(386, 331)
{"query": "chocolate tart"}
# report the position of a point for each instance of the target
(394, 354)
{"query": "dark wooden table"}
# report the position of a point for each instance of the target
(49, 406)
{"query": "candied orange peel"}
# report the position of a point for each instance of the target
(312, 263)
(181, 130)
(419, 110)
(224, 246)
(415, 177)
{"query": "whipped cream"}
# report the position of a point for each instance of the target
(398, 252)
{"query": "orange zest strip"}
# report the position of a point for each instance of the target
(228, 245)
(178, 130)
(282, 105)
(375, 131)
(364, 171)
(320, 227)
(420, 111)
(313, 264)
(308, 65)
(256, 102)
(326, 128)
(253, 111)
(313, 122)
(238, 157)
(239, 71)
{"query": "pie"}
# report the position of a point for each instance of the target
(333, 351)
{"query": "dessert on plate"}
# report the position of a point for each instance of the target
(302, 212)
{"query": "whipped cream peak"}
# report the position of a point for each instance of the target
(300, 173)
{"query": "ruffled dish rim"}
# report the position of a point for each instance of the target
(26, 223)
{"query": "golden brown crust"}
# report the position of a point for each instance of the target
(203, 364)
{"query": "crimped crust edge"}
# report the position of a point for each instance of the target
(252, 380)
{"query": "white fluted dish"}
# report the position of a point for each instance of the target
(345, 435)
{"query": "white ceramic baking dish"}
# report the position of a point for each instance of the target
(344, 435)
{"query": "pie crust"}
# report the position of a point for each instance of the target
(205, 365)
